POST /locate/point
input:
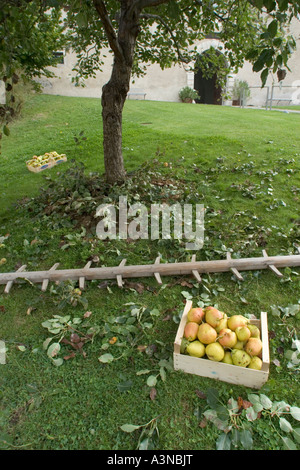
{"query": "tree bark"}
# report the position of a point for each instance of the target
(114, 93)
(113, 98)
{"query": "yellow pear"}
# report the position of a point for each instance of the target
(243, 333)
(213, 316)
(227, 358)
(255, 363)
(215, 352)
(253, 346)
(240, 358)
(206, 333)
(222, 324)
(236, 320)
(196, 349)
(255, 332)
(239, 345)
(191, 330)
(196, 314)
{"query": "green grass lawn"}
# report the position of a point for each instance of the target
(243, 165)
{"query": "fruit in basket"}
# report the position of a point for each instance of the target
(255, 331)
(222, 324)
(227, 338)
(49, 158)
(239, 344)
(213, 316)
(196, 349)
(196, 314)
(191, 330)
(253, 346)
(236, 320)
(206, 333)
(243, 333)
(240, 358)
(215, 352)
(227, 358)
(255, 363)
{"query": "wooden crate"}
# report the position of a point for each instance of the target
(51, 163)
(219, 370)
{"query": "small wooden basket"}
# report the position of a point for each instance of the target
(219, 370)
(51, 162)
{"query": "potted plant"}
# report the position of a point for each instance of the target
(240, 92)
(188, 94)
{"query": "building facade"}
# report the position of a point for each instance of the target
(164, 85)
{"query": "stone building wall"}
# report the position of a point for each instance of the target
(164, 85)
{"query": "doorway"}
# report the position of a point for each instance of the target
(206, 83)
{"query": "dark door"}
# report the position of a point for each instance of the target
(206, 84)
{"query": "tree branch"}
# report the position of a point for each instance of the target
(109, 29)
(162, 21)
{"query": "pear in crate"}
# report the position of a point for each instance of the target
(253, 346)
(255, 331)
(215, 352)
(227, 358)
(206, 333)
(255, 363)
(227, 338)
(243, 333)
(240, 358)
(213, 316)
(196, 315)
(196, 349)
(191, 330)
(237, 320)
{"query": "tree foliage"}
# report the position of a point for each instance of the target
(169, 29)
(29, 34)
(138, 33)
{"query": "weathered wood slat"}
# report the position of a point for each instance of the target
(195, 273)
(82, 278)
(157, 275)
(10, 282)
(232, 269)
(46, 281)
(119, 276)
(271, 266)
(163, 269)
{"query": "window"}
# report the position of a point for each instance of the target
(59, 57)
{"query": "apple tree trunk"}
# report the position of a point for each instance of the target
(114, 94)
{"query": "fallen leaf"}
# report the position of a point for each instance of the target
(243, 403)
(186, 284)
(153, 393)
(74, 338)
(167, 318)
(200, 394)
(203, 423)
(70, 356)
(87, 314)
(138, 286)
